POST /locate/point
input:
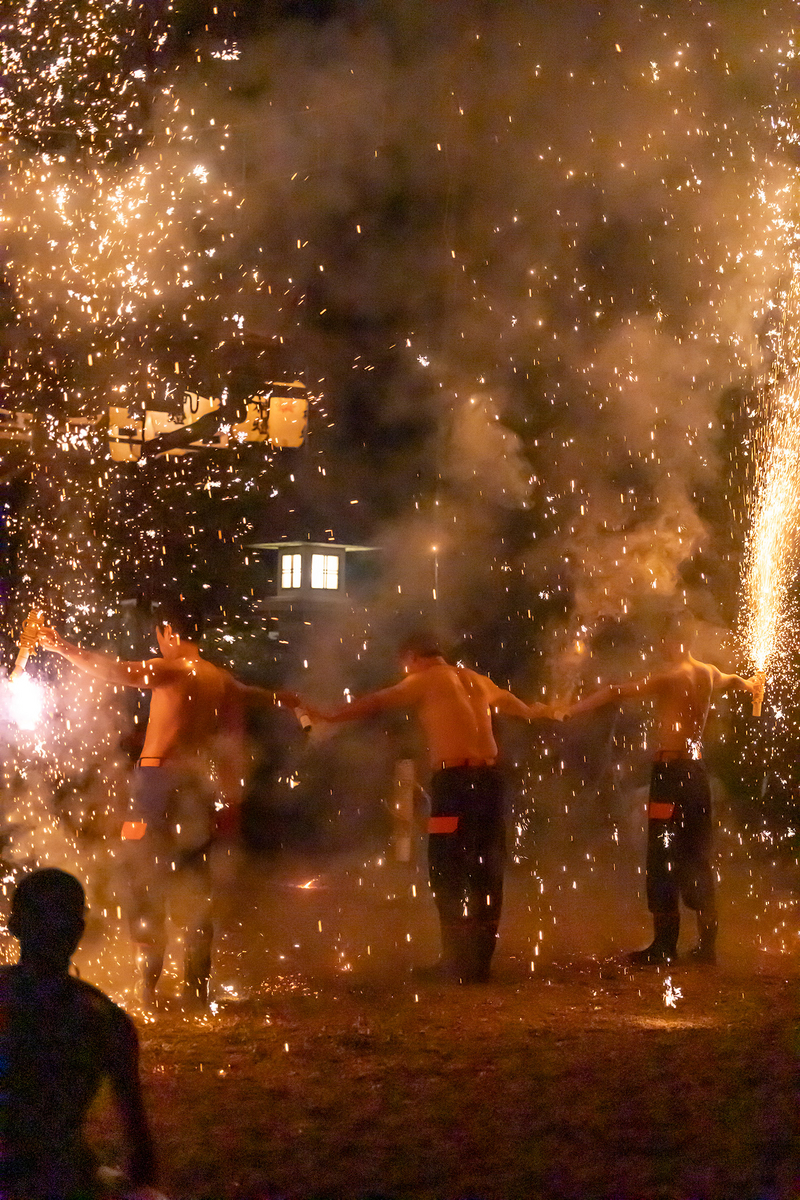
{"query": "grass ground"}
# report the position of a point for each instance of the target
(337, 1075)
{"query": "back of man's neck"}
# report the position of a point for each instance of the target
(35, 964)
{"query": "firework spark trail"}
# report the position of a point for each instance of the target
(773, 543)
(773, 546)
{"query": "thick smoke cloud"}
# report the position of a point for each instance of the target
(526, 259)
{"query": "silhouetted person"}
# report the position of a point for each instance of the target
(195, 733)
(59, 1038)
(679, 827)
(466, 844)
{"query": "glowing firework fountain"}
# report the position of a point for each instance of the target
(774, 542)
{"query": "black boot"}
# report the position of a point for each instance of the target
(198, 965)
(448, 968)
(484, 940)
(151, 962)
(664, 946)
(705, 952)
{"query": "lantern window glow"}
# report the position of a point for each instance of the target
(325, 571)
(291, 570)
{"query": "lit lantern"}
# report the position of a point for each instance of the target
(255, 426)
(195, 407)
(288, 417)
(310, 570)
(125, 435)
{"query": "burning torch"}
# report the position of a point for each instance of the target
(758, 692)
(28, 641)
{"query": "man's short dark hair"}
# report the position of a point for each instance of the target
(421, 644)
(678, 626)
(43, 894)
(181, 618)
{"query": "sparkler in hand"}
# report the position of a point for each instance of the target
(28, 641)
(760, 680)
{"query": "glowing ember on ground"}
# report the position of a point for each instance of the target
(671, 994)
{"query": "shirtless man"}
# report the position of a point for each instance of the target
(59, 1038)
(466, 846)
(195, 730)
(679, 827)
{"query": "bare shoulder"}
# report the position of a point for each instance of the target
(233, 690)
(100, 1004)
(470, 676)
(476, 682)
(702, 671)
(165, 672)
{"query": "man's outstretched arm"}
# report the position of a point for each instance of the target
(506, 702)
(257, 697)
(615, 693)
(403, 695)
(147, 673)
(725, 682)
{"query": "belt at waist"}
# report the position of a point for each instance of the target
(450, 764)
(666, 756)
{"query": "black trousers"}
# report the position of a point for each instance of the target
(679, 838)
(466, 859)
(167, 870)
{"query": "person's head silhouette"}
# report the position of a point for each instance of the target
(47, 917)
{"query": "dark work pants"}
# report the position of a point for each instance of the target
(679, 838)
(167, 871)
(466, 858)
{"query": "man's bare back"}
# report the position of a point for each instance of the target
(454, 706)
(196, 708)
(682, 699)
(189, 705)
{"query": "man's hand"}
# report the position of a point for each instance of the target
(756, 684)
(50, 640)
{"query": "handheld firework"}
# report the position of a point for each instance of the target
(28, 641)
(758, 694)
(303, 718)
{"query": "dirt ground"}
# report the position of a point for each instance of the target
(329, 1070)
